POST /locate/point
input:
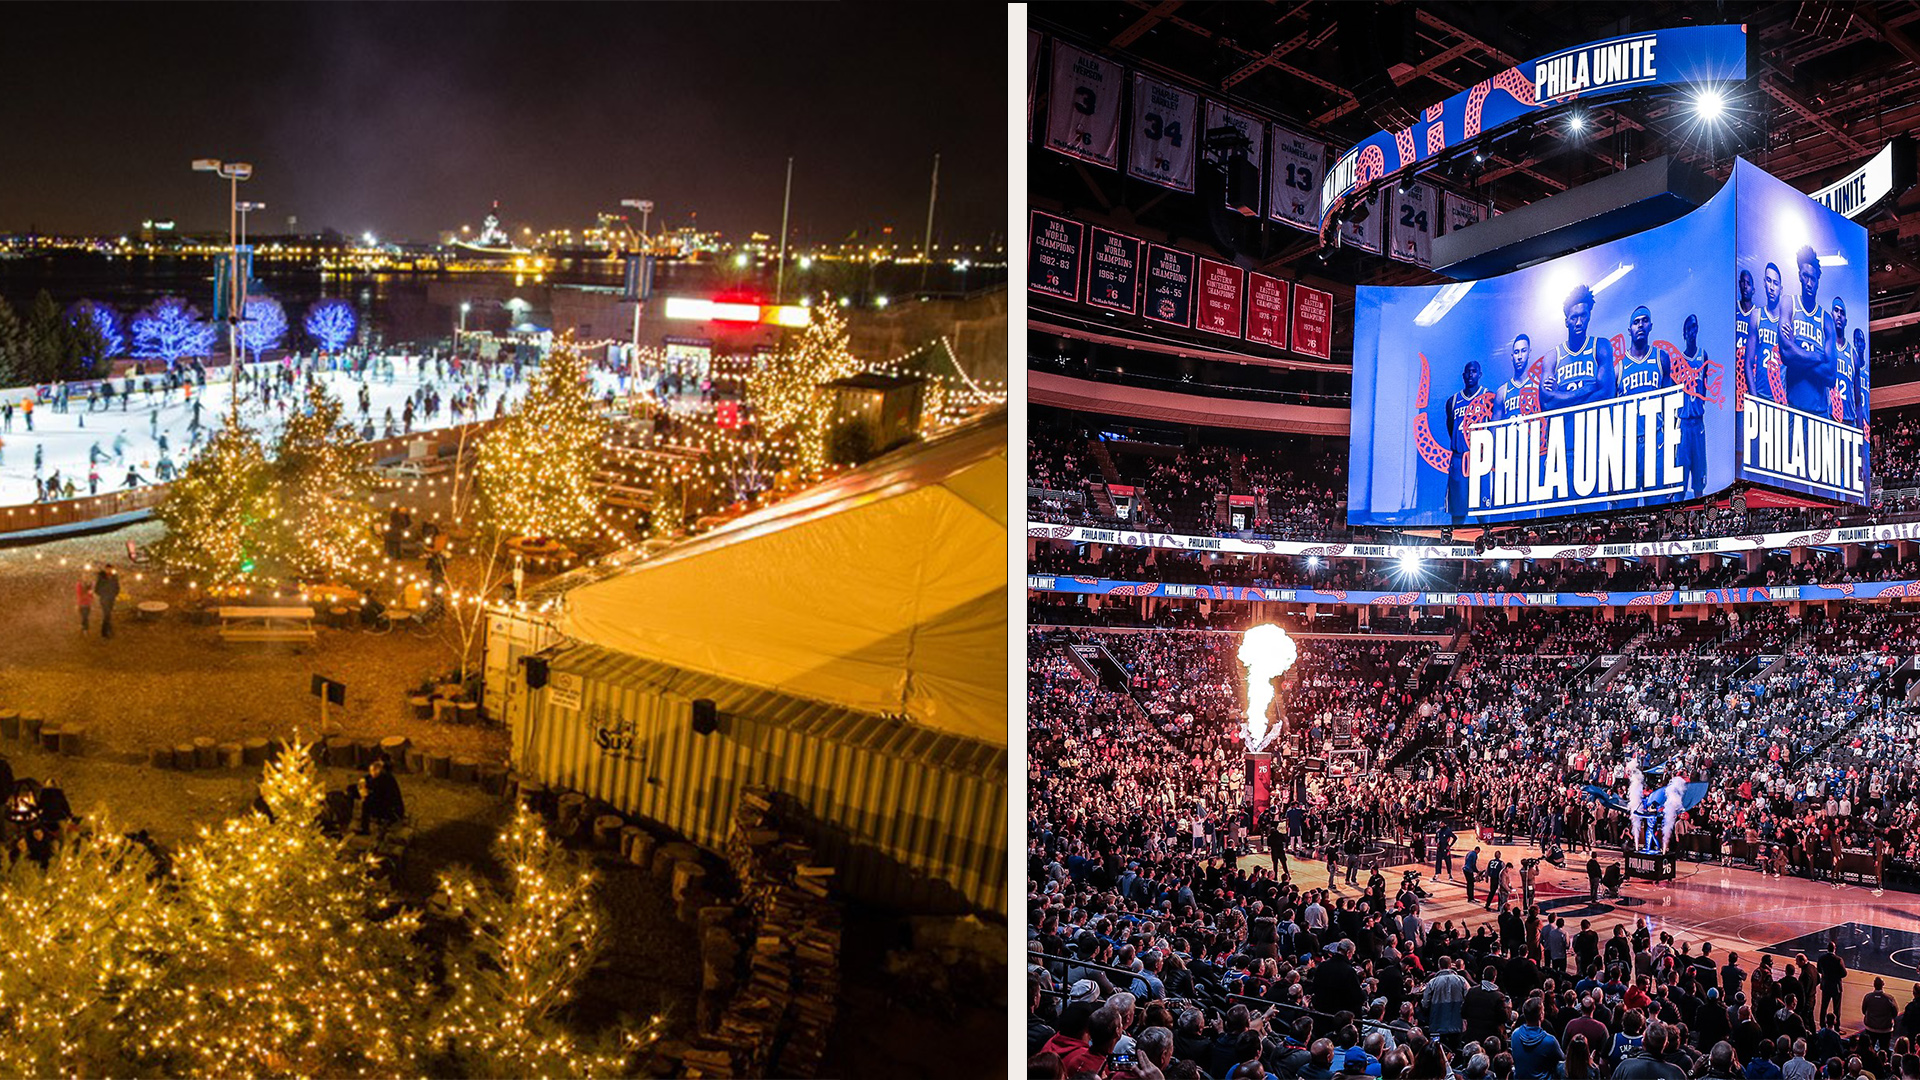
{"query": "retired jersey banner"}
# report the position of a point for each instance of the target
(1312, 322)
(1299, 163)
(1595, 382)
(1053, 255)
(1461, 212)
(1033, 76)
(1254, 128)
(1414, 220)
(1164, 141)
(1169, 286)
(1083, 106)
(1803, 341)
(1594, 72)
(1365, 233)
(1113, 271)
(1266, 311)
(1220, 287)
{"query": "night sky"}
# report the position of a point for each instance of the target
(408, 119)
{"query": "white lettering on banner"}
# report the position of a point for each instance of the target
(1589, 453)
(1596, 67)
(1786, 444)
(1861, 188)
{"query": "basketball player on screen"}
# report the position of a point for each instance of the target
(1581, 371)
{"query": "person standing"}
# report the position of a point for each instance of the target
(1443, 851)
(1833, 971)
(106, 586)
(83, 597)
(1470, 869)
(1593, 878)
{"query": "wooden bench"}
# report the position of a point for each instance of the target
(266, 623)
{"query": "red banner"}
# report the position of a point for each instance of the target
(1312, 322)
(1220, 288)
(1267, 310)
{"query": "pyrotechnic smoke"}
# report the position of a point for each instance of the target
(1267, 652)
(1636, 788)
(1676, 791)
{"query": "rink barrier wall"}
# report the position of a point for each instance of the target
(26, 517)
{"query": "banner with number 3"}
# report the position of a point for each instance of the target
(1083, 106)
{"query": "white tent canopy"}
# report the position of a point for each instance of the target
(883, 590)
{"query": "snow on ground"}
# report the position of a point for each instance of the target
(65, 440)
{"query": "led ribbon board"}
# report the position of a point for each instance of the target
(1597, 71)
(1864, 188)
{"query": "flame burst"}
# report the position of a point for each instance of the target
(1266, 652)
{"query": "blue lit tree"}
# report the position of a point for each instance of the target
(170, 329)
(264, 324)
(99, 333)
(332, 323)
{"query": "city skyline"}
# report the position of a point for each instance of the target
(409, 121)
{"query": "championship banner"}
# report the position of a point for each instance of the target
(1220, 287)
(1083, 106)
(1254, 128)
(1461, 212)
(1594, 72)
(1312, 322)
(1169, 286)
(1033, 75)
(1772, 594)
(1113, 271)
(1053, 256)
(1266, 310)
(1365, 233)
(1650, 549)
(1414, 219)
(1166, 134)
(1805, 388)
(1299, 164)
(1590, 383)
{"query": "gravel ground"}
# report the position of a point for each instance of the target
(168, 682)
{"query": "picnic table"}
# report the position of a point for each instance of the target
(264, 623)
(151, 609)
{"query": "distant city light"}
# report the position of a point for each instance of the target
(740, 259)
(880, 301)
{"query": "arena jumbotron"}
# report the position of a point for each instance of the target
(1473, 495)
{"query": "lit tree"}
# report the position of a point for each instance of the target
(13, 346)
(222, 514)
(326, 522)
(264, 324)
(101, 334)
(668, 511)
(280, 968)
(332, 323)
(84, 941)
(786, 391)
(171, 329)
(536, 468)
(529, 950)
(49, 339)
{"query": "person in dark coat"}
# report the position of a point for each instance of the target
(1485, 1011)
(380, 801)
(106, 588)
(1336, 984)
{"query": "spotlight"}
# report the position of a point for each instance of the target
(1577, 122)
(1409, 564)
(1709, 104)
(1313, 562)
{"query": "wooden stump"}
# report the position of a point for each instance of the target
(627, 835)
(232, 755)
(70, 741)
(183, 756)
(568, 812)
(438, 765)
(9, 723)
(416, 760)
(468, 712)
(160, 757)
(339, 618)
(687, 874)
(422, 707)
(667, 854)
(30, 728)
(641, 853)
(462, 770)
(253, 752)
(493, 777)
(442, 711)
(606, 830)
(395, 747)
(206, 753)
(50, 738)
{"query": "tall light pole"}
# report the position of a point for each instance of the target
(462, 335)
(926, 245)
(780, 275)
(645, 206)
(233, 172)
(240, 279)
